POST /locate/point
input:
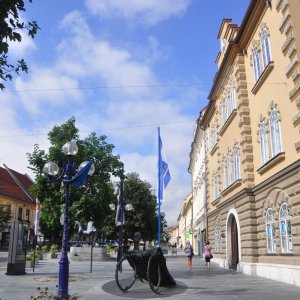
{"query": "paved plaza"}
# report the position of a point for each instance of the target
(197, 283)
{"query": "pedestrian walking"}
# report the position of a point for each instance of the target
(189, 252)
(207, 254)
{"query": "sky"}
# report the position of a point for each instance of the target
(121, 68)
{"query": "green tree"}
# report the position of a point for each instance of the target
(88, 203)
(10, 27)
(143, 218)
(5, 217)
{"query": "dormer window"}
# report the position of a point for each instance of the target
(222, 43)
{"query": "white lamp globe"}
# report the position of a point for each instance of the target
(91, 170)
(51, 168)
(70, 148)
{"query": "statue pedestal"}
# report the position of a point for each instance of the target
(84, 253)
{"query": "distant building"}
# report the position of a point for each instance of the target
(185, 222)
(197, 167)
(14, 193)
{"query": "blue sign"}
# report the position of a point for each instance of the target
(283, 228)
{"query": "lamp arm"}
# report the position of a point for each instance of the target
(52, 179)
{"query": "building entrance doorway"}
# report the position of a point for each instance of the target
(234, 245)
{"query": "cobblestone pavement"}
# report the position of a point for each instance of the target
(197, 283)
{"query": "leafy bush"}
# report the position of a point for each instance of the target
(53, 249)
(29, 258)
(45, 248)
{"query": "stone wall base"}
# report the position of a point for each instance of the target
(284, 273)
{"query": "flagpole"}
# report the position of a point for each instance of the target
(159, 187)
(36, 228)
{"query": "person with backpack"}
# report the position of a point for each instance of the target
(189, 252)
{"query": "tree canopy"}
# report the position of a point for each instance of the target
(88, 203)
(143, 218)
(11, 24)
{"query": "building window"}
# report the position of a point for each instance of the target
(229, 169)
(213, 137)
(270, 228)
(225, 184)
(218, 239)
(285, 229)
(27, 215)
(237, 163)
(20, 213)
(215, 185)
(256, 63)
(275, 133)
(265, 48)
(222, 45)
(223, 113)
(264, 145)
(232, 96)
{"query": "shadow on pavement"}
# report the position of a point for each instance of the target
(141, 290)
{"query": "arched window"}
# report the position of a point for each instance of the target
(229, 168)
(285, 229)
(256, 63)
(218, 239)
(270, 230)
(264, 145)
(275, 132)
(232, 96)
(265, 47)
(237, 163)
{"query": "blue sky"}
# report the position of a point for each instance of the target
(121, 68)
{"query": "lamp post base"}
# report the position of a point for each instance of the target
(63, 280)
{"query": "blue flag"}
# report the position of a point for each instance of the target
(163, 171)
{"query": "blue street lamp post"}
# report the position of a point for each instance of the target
(86, 169)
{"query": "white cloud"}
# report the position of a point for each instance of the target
(25, 47)
(47, 87)
(83, 59)
(148, 12)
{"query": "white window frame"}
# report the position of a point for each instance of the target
(232, 96)
(286, 238)
(256, 63)
(212, 137)
(264, 144)
(270, 231)
(237, 163)
(215, 183)
(224, 165)
(229, 169)
(223, 112)
(265, 44)
(275, 131)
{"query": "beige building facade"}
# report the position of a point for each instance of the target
(253, 143)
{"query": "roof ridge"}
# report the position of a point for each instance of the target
(18, 182)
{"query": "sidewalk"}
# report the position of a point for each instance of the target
(197, 283)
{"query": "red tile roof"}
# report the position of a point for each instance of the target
(15, 185)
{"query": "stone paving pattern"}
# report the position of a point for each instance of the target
(197, 283)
